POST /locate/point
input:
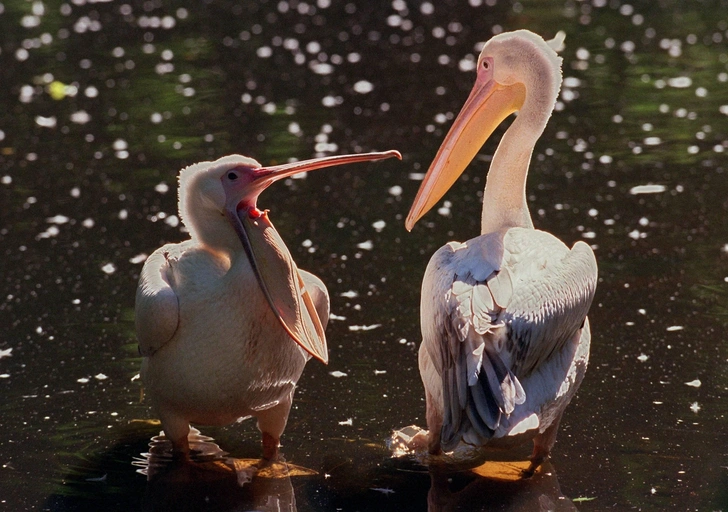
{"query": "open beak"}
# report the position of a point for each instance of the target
(488, 104)
(271, 260)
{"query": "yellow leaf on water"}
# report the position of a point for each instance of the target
(57, 90)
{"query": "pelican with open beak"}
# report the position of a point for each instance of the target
(225, 320)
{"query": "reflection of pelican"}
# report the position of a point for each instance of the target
(211, 483)
(225, 320)
(540, 493)
(505, 334)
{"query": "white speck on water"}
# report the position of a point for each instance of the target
(82, 380)
(444, 210)
(306, 243)
(642, 358)
(723, 109)
(6, 180)
(264, 52)
(635, 234)
(75, 192)
(701, 92)
(653, 491)
(100, 376)
(48, 233)
(647, 189)
(295, 129)
(467, 64)
(58, 219)
(109, 268)
(120, 145)
(338, 374)
(364, 327)
(351, 294)
(674, 328)
(139, 258)
(680, 82)
(321, 68)
(76, 301)
(395, 191)
(46, 122)
(363, 87)
(630, 324)
(80, 117)
(652, 141)
(380, 224)
(331, 101)
(379, 372)
(416, 176)
(4, 376)
(695, 407)
(6, 352)
(349, 422)
(123, 214)
(383, 490)
(162, 188)
(336, 317)
(88, 223)
(367, 246)
(91, 92)
(644, 221)
(694, 383)
(172, 221)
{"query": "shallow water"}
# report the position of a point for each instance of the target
(102, 104)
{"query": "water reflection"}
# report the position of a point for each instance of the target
(212, 479)
(498, 486)
(136, 96)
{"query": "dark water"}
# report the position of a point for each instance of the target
(103, 102)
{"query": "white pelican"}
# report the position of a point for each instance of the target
(505, 337)
(225, 320)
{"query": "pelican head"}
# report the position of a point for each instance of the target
(516, 70)
(218, 205)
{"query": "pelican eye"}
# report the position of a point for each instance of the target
(486, 64)
(232, 176)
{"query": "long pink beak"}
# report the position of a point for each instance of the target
(270, 259)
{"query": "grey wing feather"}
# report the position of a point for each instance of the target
(156, 309)
(501, 328)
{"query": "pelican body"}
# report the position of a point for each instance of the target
(505, 334)
(225, 320)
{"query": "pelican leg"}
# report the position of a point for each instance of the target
(434, 424)
(542, 445)
(271, 423)
(176, 430)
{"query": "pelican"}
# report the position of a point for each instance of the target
(505, 336)
(225, 320)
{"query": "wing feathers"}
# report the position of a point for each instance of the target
(156, 309)
(503, 316)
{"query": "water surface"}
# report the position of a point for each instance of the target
(102, 103)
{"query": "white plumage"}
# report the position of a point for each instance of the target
(505, 338)
(225, 320)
